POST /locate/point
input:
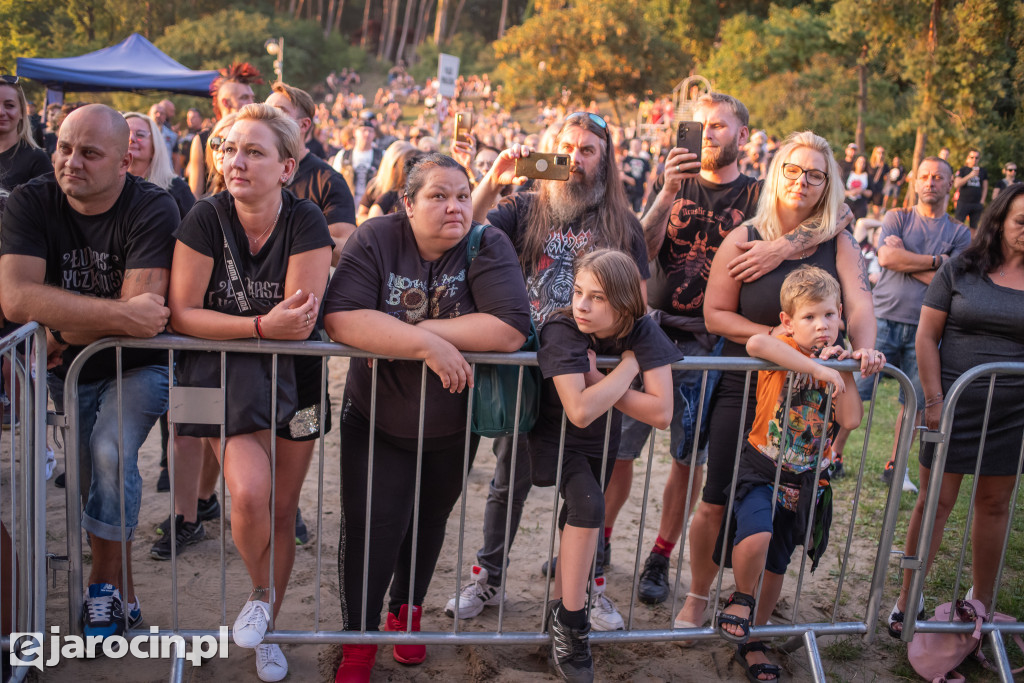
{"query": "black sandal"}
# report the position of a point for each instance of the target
(896, 616)
(755, 670)
(721, 618)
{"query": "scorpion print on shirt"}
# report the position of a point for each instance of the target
(702, 215)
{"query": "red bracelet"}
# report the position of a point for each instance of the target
(259, 327)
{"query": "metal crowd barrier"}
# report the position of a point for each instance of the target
(23, 493)
(844, 620)
(917, 565)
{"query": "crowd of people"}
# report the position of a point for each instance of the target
(229, 229)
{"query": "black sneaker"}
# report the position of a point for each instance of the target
(836, 469)
(188, 533)
(654, 580)
(163, 482)
(570, 650)
(887, 472)
(549, 570)
(301, 533)
(207, 510)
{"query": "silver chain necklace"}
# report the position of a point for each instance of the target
(257, 240)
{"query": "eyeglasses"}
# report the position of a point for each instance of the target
(1011, 170)
(9, 79)
(215, 142)
(814, 176)
(140, 134)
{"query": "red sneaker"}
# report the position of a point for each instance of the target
(356, 663)
(407, 654)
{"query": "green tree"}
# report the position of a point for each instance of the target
(618, 47)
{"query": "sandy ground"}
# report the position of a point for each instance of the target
(199, 593)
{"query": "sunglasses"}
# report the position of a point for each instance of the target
(215, 143)
(594, 118)
(9, 79)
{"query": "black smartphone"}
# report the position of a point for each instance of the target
(544, 166)
(690, 136)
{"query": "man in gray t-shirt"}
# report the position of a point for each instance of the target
(912, 245)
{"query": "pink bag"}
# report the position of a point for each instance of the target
(935, 656)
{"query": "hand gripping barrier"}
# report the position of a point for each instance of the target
(851, 613)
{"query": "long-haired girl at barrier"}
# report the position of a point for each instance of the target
(973, 314)
(403, 290)
(608, 317)
(803, 188)
(283, 249)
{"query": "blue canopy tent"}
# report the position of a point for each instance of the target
(133, 65)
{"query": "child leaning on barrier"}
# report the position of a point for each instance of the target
(768, 525)
(608, 317)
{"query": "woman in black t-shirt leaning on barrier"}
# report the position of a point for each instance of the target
(403, 289)
(282, 250)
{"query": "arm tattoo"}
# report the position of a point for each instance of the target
(862, 265)
(654, 225)
(142, 280)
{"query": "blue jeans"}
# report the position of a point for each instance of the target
(686, 386)
(896, 341)
(144, 399)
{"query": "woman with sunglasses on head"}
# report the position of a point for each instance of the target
(152, 161)
(21, 160)
(214, 155)
(266, 283)
(803, 189)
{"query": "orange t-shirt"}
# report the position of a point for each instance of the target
(807, 425)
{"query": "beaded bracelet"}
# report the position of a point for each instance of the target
(934, 401)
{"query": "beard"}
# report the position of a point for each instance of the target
(716, 158)
(568, 200)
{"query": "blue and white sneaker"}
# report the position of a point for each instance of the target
(103, 611)
(134, 613)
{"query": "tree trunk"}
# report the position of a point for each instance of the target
(393, 28)
(455, 20)
(442, 11)
(501, 20)
(330, 18)
(421, 25)
(320, 12)
(337, 16)
(400, 52)
(298, 9)
(924, 113)
(385, 18)
(291, 8)
(862, 99)
(366, 25)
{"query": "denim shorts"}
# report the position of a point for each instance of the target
(144, 400)
(753, 515)
(896, 341)
(686, 386)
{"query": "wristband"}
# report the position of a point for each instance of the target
(57, 335)
(771, 328)
(259, 327)
(254, 335)
(934, 402)
(934, 264)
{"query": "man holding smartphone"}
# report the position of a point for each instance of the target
(696, 202)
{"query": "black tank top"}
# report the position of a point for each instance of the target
(759, 300)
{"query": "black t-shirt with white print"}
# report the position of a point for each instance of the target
(90, 254)
(301, 227)
(316, 181)
(550, 285)
(21, 163)
(703, 213)
(381, 269)
(563, 351)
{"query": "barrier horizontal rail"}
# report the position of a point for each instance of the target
(917, 563)
(807, 631)
(23, 490)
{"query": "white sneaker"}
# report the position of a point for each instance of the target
(474, 595)
(908, 486)
(251, 624)
(603, 615)
(270, 662)
(51, 462)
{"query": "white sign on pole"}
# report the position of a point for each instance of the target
(447, 73)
